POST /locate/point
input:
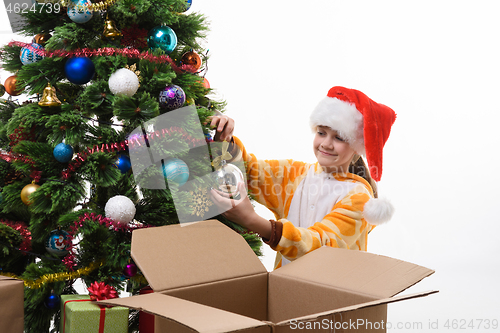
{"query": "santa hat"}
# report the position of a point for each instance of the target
(362, 122)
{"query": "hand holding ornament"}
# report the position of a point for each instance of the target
(224, 127)
(241, 211)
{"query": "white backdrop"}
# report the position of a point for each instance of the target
(436, 63)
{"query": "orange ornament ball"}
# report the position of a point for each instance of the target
(192, 59)
(11, 86)
(206, 84)
(41, 38)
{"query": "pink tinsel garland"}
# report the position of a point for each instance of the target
(106, 51)
(69, 260)
(121, 146)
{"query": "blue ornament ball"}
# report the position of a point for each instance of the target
(79, 11)
(176, 171)
(57, 243)
(52, 301)
(162, 37)
(28, 56)
(172, 97)
(123, 163)
(63, 152)
(79, 70)
(188, 4)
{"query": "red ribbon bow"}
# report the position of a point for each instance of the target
(99, 291)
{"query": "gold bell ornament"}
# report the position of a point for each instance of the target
(49, 97)
(110, 30)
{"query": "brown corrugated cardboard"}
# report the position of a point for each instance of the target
(207, 279)
(11, 305)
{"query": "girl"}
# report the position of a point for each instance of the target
(328, 203)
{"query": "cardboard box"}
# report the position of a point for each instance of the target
(81, 315)
(207, 279)
(11, 305)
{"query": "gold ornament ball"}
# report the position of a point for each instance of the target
(26, 191)
(11, 86)
(2, 90)
(41, 38)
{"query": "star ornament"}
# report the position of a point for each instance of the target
(133, 68)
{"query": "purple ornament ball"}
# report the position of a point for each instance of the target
(130, 270)
(172, 97)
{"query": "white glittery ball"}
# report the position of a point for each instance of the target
(123, 81)
(120, 209)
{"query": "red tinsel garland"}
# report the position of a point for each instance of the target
(109, 223)
(11, 157)
(106, 51)
(20, 135)
(22, 228)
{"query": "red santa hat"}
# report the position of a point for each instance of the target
(362, 122)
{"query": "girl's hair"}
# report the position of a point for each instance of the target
(358, 167)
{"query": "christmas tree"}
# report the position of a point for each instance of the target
(106, 84)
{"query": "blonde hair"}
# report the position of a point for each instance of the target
(358, 167)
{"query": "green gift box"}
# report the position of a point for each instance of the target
(80, 315)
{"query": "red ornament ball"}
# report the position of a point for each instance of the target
(192, 59)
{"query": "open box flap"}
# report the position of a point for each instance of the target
(357, 271)
(9, 281)
(184, 255)
(198, 317)
(358, 306)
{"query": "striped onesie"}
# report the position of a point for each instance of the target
(312, 208)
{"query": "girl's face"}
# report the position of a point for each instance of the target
(332, 152)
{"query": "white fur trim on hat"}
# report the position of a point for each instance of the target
(342, 117)
(378, 211)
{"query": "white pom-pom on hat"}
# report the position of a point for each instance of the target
(123, 81)
(378, 211)
(120, 209)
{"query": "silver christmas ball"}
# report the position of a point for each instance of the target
(227, 179)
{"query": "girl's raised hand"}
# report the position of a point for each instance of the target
(224, 127)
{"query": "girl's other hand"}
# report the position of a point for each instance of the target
(241, 211)
(224, 127)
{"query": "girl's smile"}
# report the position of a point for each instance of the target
(333, 153)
